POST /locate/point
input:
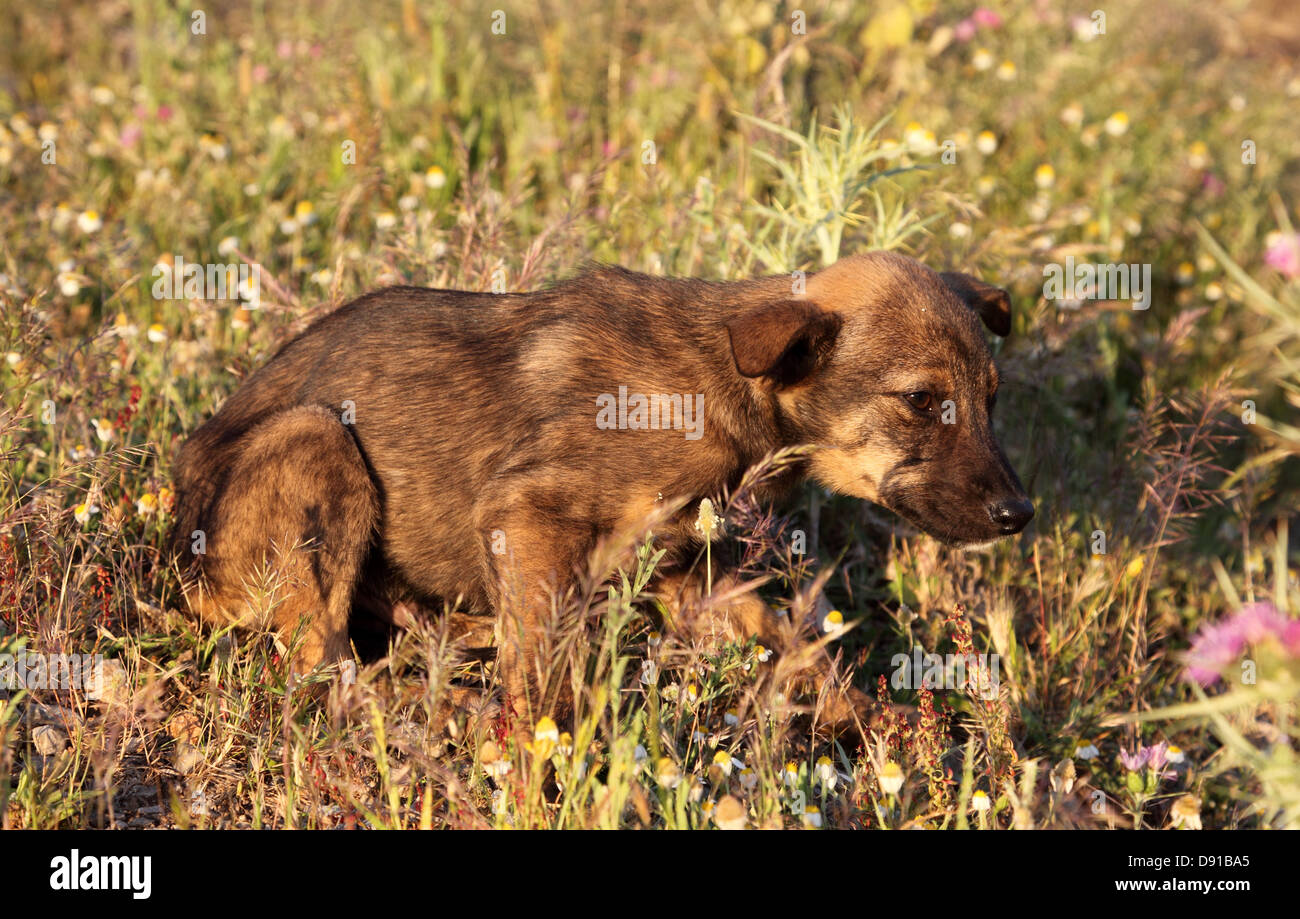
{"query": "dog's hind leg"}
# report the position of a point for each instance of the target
(287, 534)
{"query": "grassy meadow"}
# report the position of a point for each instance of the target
(1144, 625)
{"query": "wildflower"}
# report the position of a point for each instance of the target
(1006, 71)
(668, 773)
(706, 521)
(692, 692)
(102, 95)
(833, 623)
(891, 778)
(1045, 176)
(723, 760)
(1135, 761)
(1282, 253)
(985, 186)
(228, 245)
(791, 774)
(147, 505)
(241, 318)
(748, 778)
(304, 214)
(1198, 155)
(985, 18)
(493, 763)
(979, 802)
(1185, 273)
(1072, 115)
(104, 429)
(826, 773)
(1186, 812)
(166, 498)
(812, 817)
(1117, 124)
(986, 142)
(639, 756)
(982, 59)
(959, 230)
(85, 511)
(156, 333)
(89, 221)
(69, 283)
(649, 672)
(763, 654)
(730, 814)
(322, 278)
(1217, 646)
(1134, 568)
(385, 220)
(546, 736)
(1086, 750)
(435, 177)
(732, 717)
(1213, 291)
(1063, 776)
(707, 809)
(654, 639)
(80, 452)
(1176, 754)
(565, 746)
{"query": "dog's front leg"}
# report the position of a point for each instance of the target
(530, 562)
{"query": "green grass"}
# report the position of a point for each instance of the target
(519, 156)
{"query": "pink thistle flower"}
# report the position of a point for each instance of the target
(964, 30)
(1216, 646)
(985, 18)
(1284, 255)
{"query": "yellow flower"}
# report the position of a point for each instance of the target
(980, 801)
(732, 717)
(730, 814)
(891, 778)
(1045, 176)
(1213, 291)
(304, 213)
(1134, 568)
(985, 186)
(1006, 71)
(812, 817)
(1198, 155)
(986, 142)
(89, 221)
(1085, 749)
(1117, 124)
(982, 59)
(1072, 115)
(722, 759)
(791, 774)
(85, 511)
(104, 429)
(156, 333)
(1186, 812)
(833, 623)
(435, 177)
(147, 505)
(1186, 273)
(668, 772)
(546, 737)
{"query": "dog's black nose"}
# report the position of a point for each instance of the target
(1011, 516)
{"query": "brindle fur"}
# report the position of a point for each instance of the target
(475, 427)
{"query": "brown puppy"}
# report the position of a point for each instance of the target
(424, 445)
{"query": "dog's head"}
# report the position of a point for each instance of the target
(883, 365)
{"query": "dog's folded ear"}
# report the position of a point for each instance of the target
(991, 304)
(783, 341)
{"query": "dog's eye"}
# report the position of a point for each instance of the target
(921, 401)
